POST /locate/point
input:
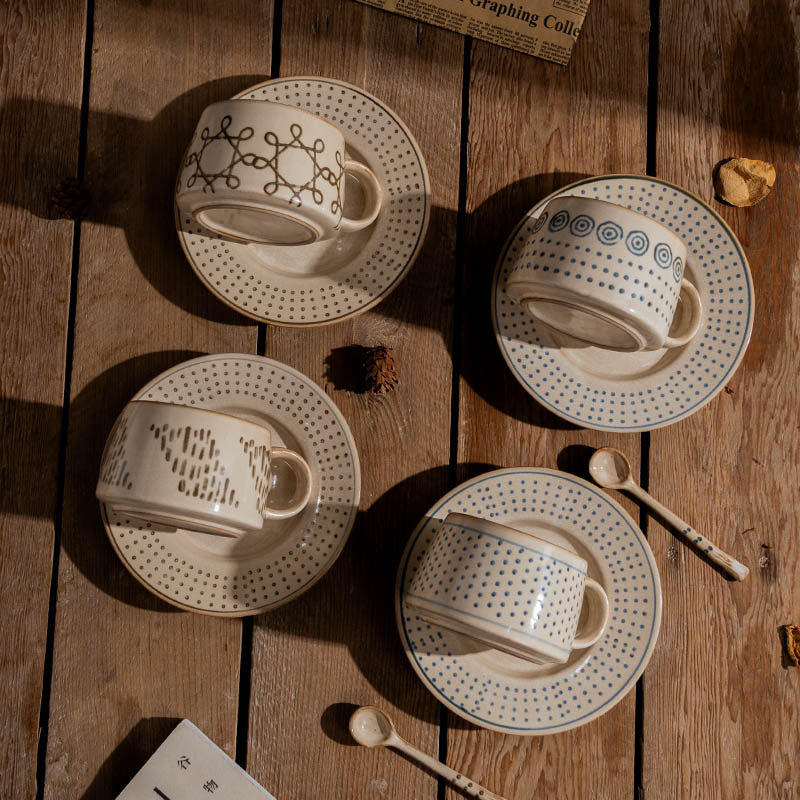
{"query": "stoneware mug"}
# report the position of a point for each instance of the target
(508, 589)
(195, 469)
(607, 276)
(270, 173)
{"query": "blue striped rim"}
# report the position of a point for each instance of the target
(491, 622)
(501, 339)
(637, 535)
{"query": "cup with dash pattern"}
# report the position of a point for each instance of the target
(196, 469)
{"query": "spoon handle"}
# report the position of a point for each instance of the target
(733, 567)
(465, 784)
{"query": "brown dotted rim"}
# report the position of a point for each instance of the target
(337, 415)
(411, 259)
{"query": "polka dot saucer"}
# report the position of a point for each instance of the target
(258, 571)
(609, 390)
(508, 694)
(333, 280)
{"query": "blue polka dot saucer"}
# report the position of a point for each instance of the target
(615, 391)
(508, 694)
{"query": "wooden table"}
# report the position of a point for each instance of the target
(96, 671)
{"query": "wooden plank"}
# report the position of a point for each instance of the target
(40, 91)
(127, 667)
(338, 645)
(534, 127)
(720, 708)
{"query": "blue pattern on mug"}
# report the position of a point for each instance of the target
(537, 226)
(559, 222)
(637, 243)
(609, 232)
(662, 254)
(582, 225)
(677, 269)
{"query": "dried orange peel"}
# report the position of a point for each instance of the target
(744, 181)
(792, 643)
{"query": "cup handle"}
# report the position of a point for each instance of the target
(303, 474)
(598, 617)
(373, 196)
(693, 296)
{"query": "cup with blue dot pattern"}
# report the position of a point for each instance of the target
(607, 276)
(510, 590)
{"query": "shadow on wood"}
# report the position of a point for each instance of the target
(131, 166)
(354, 603)
(91, 415)
(129, 757)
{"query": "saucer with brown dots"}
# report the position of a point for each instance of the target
(338, 278)
(260, 570)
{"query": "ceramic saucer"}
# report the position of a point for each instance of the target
(511, 695)
(263, 570)
(616, 391)
(328, 281)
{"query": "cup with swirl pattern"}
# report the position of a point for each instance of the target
(606, 276)
(268, 173)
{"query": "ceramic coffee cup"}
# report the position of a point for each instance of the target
(508, 589)
(195, 469)
(271, 173)
(605, 275)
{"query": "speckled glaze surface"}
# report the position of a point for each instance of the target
(510, 589)
(640, 391)
(339, 278)
(498, 691)
(260, 570)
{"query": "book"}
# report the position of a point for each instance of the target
(189, 766)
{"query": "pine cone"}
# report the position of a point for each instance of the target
(70, 199)
(380, 373)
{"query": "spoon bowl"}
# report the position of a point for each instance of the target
(371, 727)
(610, 468)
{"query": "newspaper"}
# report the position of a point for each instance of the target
(543, 28)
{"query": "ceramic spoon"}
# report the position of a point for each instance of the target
(612, 470)
(373, 728)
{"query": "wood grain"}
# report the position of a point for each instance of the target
(534, 127)
(337, 647)
(127, 667)
(720, 711)
(38, 147)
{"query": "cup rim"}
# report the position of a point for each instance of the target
(641, 332)
(236, 203)
(184, 407)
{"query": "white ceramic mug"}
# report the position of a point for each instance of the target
(270, 173)
(605, 275)
(195, 469)
(508, 589)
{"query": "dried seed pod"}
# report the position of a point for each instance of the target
(380, 372)
(744, 181)
(70, 199)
